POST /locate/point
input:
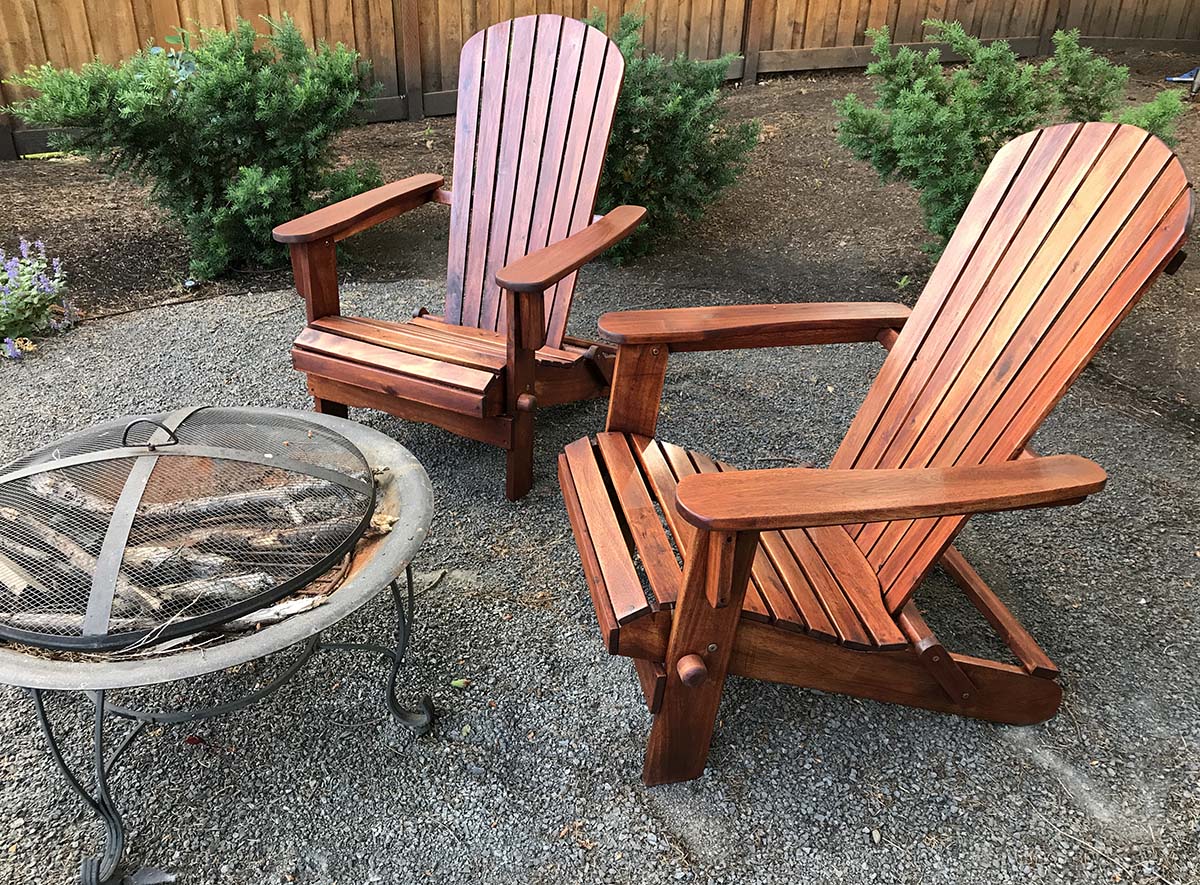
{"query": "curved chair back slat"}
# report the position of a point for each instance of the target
(536, 98)
(1069, 227)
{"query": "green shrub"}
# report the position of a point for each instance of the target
(670, 150)
(233, 135)
(939, 128)
(32, 297)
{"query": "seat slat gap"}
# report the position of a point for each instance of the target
(649, 537)
(625, 590)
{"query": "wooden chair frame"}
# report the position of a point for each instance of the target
(514, 317)
(706, 620)
(699, 624)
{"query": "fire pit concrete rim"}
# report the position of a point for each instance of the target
(406, 495)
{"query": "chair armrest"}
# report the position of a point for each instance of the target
(760, 500)
(754, 325)
(540, 270)
(349, 216)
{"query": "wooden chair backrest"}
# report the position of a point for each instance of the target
(536, 98)
(1069, 227)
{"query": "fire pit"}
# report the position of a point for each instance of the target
(161, 548)
(128, 535)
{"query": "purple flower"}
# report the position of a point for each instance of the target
(25, 244)
(41, 247)
(11, 350)
(13, 268)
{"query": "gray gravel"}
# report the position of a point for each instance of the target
(533, 773)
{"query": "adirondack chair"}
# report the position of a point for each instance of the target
(806, 576)
(536, 98)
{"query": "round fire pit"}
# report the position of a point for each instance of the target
(345, 477)
(141, 531)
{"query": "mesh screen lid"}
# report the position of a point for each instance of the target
(159, 526)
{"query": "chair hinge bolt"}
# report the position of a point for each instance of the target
(712, 646)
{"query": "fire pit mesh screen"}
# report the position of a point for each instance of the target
(161, 526)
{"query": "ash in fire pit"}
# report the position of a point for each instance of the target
(156, 527)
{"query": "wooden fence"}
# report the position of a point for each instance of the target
(414, 44)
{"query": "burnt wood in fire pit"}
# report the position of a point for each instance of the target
(157, 526)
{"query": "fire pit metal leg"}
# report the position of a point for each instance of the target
(419, 721)
(102, 869)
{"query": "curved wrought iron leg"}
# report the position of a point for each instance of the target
(102, 869)
(419, 721)
(178, 717)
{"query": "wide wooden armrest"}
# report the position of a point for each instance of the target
(540, 270)
(800, 498)
(754, 325)
(359, 212)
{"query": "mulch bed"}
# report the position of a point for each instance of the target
(806, 218)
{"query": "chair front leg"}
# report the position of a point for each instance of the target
(637, 387)
(525, 315)
(703, 627)
(314, 266)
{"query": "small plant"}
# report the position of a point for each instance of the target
(232, 132)
(670, 150)
(32, 297)
(938, 128)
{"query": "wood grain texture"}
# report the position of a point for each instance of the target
(550, 131)
(719, 568)
(538, 271)
(414, 46)
(795, 580)
(799, 498)
(347, 217)
(753, 325)
(1069, 227)
(488, 356)
(1004, 693)
(637, 388)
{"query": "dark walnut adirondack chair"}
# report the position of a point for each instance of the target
(536, 98)
(806, 576)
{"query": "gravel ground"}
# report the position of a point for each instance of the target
(533, 772)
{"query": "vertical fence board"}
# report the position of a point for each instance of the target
(408, 31)
(21, 45)
(65, 29)
(414, 45)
